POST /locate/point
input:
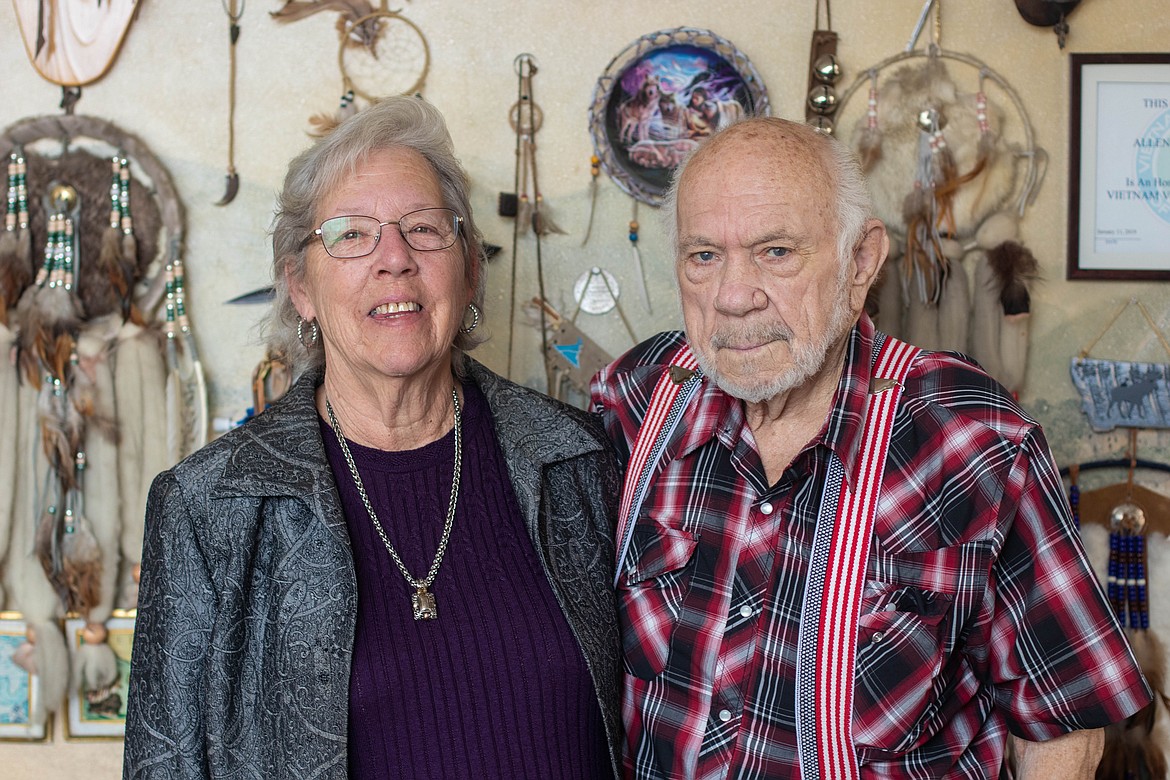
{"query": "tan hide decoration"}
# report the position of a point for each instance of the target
(73, 42)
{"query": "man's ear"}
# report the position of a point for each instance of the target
(868, 257)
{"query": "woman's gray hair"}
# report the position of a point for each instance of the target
(391, 122)
(853, 203)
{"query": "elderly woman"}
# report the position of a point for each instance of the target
(403, 568)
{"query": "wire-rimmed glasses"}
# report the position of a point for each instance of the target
(351, 236)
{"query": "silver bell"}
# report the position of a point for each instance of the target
(822, 124)
(822, 99)
(826, 69)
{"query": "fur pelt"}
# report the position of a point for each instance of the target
(16, 271)
(9, 429)
(90, 176)
(986, 313)
(94, 667)
(28, 590)
(51, 660)
(140, 381)
(1015, 269)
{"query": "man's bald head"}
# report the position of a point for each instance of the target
(790, 147)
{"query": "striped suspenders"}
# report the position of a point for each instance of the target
(671, 395)
(827, 646)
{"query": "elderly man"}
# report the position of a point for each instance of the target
(839, 556)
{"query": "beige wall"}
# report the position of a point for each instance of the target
(169, 87)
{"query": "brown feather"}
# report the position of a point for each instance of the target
(869, 148)
(295, 10)
(1015, 269)
(1130, 750)
(100, 293)
(15, 272)
(45, 545)
(81, 566)
(323, 124)
(60, 434)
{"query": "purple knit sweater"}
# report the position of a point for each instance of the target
(496, 686)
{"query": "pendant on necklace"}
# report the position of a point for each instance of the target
(423, 602)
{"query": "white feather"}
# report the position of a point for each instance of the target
(52, 664)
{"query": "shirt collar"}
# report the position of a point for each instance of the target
(715, 414)
(843, 430)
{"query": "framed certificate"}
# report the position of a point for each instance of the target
(1119, 155)
(101, 714)
(20, 691)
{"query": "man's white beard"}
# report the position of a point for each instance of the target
(807, 359)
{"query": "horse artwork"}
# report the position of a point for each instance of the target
(660, 97)
(1119, 394)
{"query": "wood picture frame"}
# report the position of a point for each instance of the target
(89, 717)
(1119, 167)
(20, 690)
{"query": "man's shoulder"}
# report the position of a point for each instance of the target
(956, 383)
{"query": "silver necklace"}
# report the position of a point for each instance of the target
(422, 601)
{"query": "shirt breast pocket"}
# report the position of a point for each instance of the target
(651, 590)
(907, 640)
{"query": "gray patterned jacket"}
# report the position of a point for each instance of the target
(248, 596)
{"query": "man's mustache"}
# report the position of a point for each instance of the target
(741, 338)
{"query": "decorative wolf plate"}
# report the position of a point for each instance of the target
(660, 97)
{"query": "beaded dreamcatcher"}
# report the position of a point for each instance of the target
(111, 389)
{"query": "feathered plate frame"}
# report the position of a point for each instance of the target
(660, 97)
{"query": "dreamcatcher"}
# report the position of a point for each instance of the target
(111, 389)
(381, 53)
(952, 173)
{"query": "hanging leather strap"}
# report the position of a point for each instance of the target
(675, 389)
(827, 646)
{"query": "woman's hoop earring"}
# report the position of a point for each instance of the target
(474, 319)
(313, 335)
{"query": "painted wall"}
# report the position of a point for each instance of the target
(169, 87)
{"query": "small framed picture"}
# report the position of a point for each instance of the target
(20, 691)
(660, 97)
(101, 714)
(1119, 156)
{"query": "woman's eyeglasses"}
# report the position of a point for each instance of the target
(427, 230)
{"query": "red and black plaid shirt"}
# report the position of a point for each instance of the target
(980, 615)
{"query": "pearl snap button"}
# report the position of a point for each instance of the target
(878, 637)
(745, 611)
(724, 715)
(767, 508)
